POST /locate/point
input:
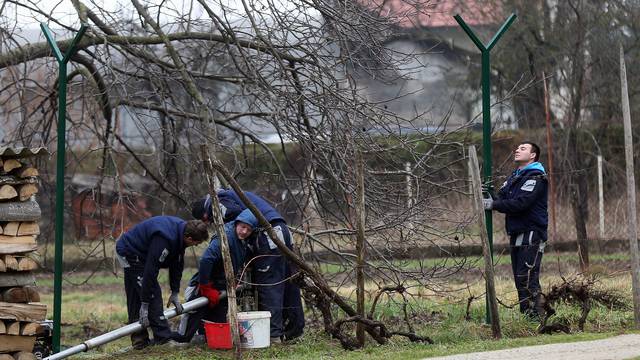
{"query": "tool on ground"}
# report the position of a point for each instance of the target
(128, 329)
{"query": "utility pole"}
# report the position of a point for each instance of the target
(631, 192)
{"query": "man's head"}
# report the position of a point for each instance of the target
(245, 224)
(195, 232)
(526, 153)
(201, 209)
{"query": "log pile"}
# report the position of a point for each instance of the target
(20, 309)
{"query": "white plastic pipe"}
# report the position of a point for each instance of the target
(128, 329)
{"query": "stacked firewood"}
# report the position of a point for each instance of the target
(20, 309)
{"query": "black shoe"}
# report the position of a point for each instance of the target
(141, 345)
(291, 336)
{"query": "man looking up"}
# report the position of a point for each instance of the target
(523, 199)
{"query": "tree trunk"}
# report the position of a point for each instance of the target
(360, 245)
(229, 274)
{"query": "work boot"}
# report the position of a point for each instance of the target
(276, 340)
(140, 339)
(141, 344)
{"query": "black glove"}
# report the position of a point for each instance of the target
(144, 314)
(175, 300)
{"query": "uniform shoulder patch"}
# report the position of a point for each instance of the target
(164, 255)
(528, 185)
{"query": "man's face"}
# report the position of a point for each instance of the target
(523, 154)
(188, 241)
(243, 230)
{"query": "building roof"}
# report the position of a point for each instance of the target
(415, 14)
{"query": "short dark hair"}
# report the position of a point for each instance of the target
(197, 230)
(197, 209)
(534, 149)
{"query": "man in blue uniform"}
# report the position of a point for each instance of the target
(523, 199)
(271, 269)
(210, 278)
(158, 242)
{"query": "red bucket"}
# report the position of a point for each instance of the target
(218, 335)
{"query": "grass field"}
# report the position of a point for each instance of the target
(96, 304)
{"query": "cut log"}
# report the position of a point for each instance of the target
(17, 248)
(3, 267)
(24, 355)
(9, 343)
(3, 328)
(27, 264)
(14, 180)
(11, 228)
(26, 239)
(9, 164)
(27, 190)
(28, 228)
(20, 295)
(23, 312)
(27, 171)
(13, 327)
(20, 211)
(29, 328)
(8, 192)
(10, 262)
(10, 279)
(6, 357)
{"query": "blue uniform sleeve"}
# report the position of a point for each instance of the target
(528, 194)
(231, 206)
(157, 252)
(175, 273)
(211, 256)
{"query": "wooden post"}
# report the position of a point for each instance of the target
(631, 192)
(550, 171)
(229, 274)
(409, 180)
(484, 238)
(600, 201)
(360, 246)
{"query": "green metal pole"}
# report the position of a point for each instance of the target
(486, 117)
(60, 162)
(486, 138)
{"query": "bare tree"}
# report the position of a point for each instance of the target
(150, 83)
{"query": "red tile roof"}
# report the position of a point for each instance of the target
(435, 13)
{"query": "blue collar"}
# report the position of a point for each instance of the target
(533, 166)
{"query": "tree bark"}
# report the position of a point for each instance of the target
(360, 245)
(484, 238)
(218, 222)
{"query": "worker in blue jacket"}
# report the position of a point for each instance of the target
(158, 242)
(210, 279)
(271, 270)
(523, 199)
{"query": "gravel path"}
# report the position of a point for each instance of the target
(619, 347)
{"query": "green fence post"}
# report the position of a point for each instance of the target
(60, 162)
(486, 112)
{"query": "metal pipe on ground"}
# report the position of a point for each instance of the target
(128, 329)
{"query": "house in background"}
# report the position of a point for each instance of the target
(109, 207)
(433, 82)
